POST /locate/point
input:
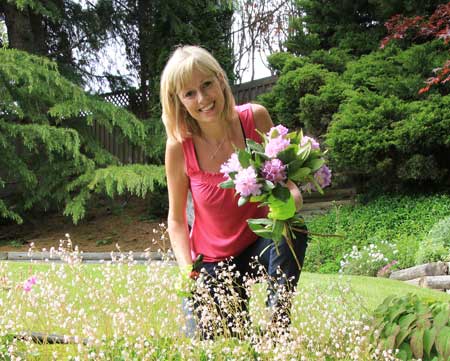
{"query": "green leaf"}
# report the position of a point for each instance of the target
(244, 158)
(429, 336)
(268, 185)
(288, 155)
(254, 146)
(315, 164)
(299, 175)
(227, 184)
(416, 342)
(395, 312)
(304, 151)
(280, 210)
(242, 201)
(405, 353)
(261, 198)
(406, 320)
(401, 336)
(443, 342)
(261, 226)
(281, 193)
(295, 165)
(277, 231)
(442, 318)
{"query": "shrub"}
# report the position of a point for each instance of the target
(379, 137)
(402, 219)
(283, 100)
(368, 260)
(418, 329)
(436, 245)
(317, 110)
(407, 245)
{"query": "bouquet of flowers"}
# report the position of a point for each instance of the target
(259, 173)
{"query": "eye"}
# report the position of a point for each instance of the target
(207, 84)
(189, 94)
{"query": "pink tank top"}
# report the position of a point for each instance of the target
(220, 227)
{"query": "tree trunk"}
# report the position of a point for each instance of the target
(429, 269)
(25, 29)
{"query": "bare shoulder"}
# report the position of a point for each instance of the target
(263, 122)
(174, 152)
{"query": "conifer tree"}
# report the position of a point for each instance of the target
(49, 157)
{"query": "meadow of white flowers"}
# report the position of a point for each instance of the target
(123, 310)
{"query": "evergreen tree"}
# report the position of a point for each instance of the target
(49, 155)
(154, 27)
(356, 25)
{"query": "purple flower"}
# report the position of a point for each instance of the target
(231, 165)
(274, 170)
(322, 176)
(28, 285)
(276, 145)
(246, 184)
(281, 130)
(312, 141)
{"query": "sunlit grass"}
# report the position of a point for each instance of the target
(128, 310)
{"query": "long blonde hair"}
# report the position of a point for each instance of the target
(176, 74)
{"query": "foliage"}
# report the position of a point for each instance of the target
(436, 245)
(48, 150)
(69, 33)
(369, 260)
(405, 28)
(150, 30)
(400, 219)
(375, 136)
(283, 101)
(353, 25)
(417, 328)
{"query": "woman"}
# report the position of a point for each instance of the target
(203, 126)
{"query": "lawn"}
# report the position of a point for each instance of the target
(125, 311)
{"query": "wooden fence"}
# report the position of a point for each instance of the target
(136, 103)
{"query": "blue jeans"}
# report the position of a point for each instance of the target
(273, 262)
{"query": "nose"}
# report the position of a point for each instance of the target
(202, 95)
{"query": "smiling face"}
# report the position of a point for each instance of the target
(203, 97)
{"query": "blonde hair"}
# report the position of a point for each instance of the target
(176, 75)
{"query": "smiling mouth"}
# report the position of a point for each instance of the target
(208, 107)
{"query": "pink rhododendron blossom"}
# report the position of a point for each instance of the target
(231, 165)
(314, 143)
(276, 145)
(246, 184)
(281, 130)
(274, 170)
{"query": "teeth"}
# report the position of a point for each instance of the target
(209, 107)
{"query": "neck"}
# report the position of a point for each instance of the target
(214, 133)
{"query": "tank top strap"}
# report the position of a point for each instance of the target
(190, 157)
(248, 121)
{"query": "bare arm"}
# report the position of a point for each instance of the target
(263, 123)
(177, 185)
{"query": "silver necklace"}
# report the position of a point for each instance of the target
(212, 156)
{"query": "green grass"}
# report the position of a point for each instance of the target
(146, 298)
(373, 290)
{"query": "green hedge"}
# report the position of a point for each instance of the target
(404, 220)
